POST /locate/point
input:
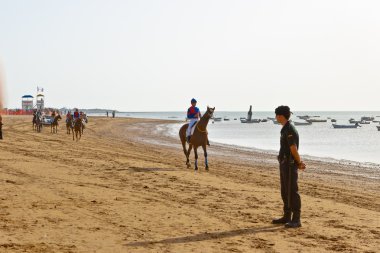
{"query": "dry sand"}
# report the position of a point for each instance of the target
(125, 188)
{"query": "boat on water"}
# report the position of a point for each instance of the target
(313, 120)
(353, 121)
(365, 122)
(250, 121)
(304, 117)
(264, 120)
(346, 126)
(305, 123)
(365, 118)
(333, 120)
(217, 119)
(253, 121)
(226, 119)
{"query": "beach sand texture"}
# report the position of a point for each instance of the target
(125, 188)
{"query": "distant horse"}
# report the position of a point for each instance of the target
(38, 123)
(84, 121)
(54, 124)
(198, 139)
(78, 129)
(34, 121)
(69, 125)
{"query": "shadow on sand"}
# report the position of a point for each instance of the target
(208, 236)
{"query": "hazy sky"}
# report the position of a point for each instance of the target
(156, 55)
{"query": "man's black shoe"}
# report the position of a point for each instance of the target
(293, 224)
(282, 220)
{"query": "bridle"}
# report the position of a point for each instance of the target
(205, 131)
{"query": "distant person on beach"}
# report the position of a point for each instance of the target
(107, 114)
(1, 127)
(290, 161)
(113, 114)
(193, 115)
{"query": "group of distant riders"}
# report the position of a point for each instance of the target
(71, 119)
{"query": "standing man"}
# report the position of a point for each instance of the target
(290, 162)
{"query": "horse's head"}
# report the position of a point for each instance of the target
(209, 113)
(58, 117)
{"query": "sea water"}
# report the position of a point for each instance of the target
(316, 140)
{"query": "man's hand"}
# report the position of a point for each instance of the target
(301, 165)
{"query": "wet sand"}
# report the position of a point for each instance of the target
(124, 187)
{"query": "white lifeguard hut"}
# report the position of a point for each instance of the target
(40, 99)
(27, 102)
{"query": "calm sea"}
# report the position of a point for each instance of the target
(317, 140)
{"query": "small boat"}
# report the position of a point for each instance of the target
(345, 126)
(353, 121)
(305, 117)
(306, 123)
(250, 121)
(365, 118)
(264, 120)
(317, 120)
(254, 121)
(217, 119)
(235, 118)
(333, 120)
(226, 119)
(363, 122)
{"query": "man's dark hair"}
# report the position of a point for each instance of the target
(283, 110)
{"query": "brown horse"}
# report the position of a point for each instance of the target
(69, 125)
(54, 124)
(78, 129)
(198, 139)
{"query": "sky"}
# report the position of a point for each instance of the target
(156, 55)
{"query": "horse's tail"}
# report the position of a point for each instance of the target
(182, 136)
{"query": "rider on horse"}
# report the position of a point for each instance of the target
(76, 114)
(193, 115)
(68, 116)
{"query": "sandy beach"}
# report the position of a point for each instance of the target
(124, 187)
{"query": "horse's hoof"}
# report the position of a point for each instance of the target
(196, 168)
(206, 168)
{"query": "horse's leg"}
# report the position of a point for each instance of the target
(188, 155)
(205, 153)
(196, 158)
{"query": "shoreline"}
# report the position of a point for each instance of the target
(344, 162)
(124, 187)
(315, 159)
